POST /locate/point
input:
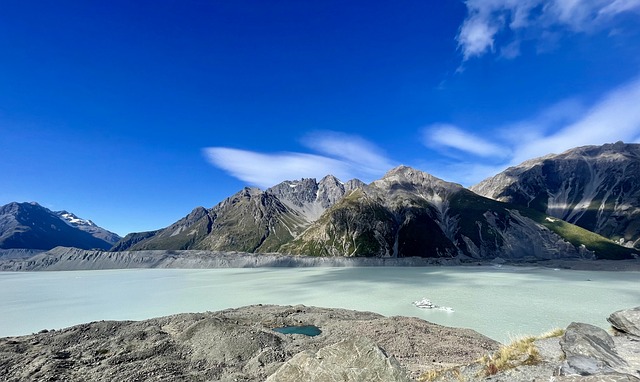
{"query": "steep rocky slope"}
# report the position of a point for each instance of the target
(594, 187)
(31, 226)
(249, 221)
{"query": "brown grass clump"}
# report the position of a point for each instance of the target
(522, 351)
(519, 352)
(433, 375)
(557, 332)
(429, 376)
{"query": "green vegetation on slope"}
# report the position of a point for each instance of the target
(602, 247)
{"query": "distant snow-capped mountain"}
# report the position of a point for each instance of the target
(88, 226)
(32, 226)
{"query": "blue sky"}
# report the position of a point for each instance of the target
(133, 113)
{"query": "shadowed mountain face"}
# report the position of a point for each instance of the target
(594, 187)
(406, 213)
(29, 225)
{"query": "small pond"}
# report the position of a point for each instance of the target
(307, 330)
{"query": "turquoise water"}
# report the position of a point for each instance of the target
(501, 303)
(307, 330)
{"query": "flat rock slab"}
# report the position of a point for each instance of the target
(626, 321)
(350, 360)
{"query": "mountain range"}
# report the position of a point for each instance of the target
(411, 213)
(30, 225)
(583, 203)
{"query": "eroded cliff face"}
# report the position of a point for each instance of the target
(594, 187)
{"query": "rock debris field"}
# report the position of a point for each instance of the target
(234, 345)
(241, 345)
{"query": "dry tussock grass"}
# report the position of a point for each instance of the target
(519, 352)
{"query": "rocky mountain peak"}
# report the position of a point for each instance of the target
(404, 176)
(354, 184)
(13, 206)
(330, 191)
(401, 170)
(197, 213)
(16, 206)
(609, 151)
(297, 192)
(330, 179)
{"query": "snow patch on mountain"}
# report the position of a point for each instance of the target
(73, 220)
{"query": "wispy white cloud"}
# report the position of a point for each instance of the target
(619, 6)
(353, 150)
(476, 35)
(565, 125)
(531, 19)
(449, 136)
(342, 155)
(615, 117)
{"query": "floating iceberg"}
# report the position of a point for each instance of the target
(425, 303)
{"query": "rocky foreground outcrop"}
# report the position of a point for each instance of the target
(581, 353)
(240, 345)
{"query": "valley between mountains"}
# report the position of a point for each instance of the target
(581, 204)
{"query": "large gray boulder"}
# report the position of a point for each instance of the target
(589, 350)
(627, 321)
(350, 360)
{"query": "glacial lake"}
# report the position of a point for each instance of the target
(502, 303)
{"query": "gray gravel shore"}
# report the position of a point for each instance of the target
(67, 259)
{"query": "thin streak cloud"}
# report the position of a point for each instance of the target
(560, 127)
(342, 155)
(450, 136)
(616, 117)
(356, 151)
